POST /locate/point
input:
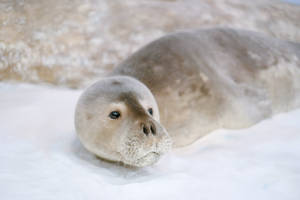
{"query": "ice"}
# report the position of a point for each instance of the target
(83, 39)
(41, 157)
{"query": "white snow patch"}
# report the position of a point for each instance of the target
(41, 157)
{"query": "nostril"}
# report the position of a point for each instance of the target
(149, 127)
(145, 130)
(152, 128)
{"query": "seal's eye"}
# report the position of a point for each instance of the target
(150, 111)
(114, 115)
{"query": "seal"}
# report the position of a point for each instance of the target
(202, 80)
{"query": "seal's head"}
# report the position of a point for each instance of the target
(117, 119)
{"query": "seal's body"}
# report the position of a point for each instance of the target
(215, 78)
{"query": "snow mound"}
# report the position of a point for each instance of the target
(41, 157)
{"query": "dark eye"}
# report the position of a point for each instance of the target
(114, 115)
(150, 111)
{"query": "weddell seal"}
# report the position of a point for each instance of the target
(184, 85)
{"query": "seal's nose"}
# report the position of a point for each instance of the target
(148, 127)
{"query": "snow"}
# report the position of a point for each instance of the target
(41, 158)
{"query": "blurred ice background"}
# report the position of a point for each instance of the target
(69, 44)
(293, 1)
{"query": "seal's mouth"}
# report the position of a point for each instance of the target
(136, 154)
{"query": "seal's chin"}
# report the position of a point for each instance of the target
(148, 159)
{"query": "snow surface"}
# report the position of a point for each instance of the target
(41, 157)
